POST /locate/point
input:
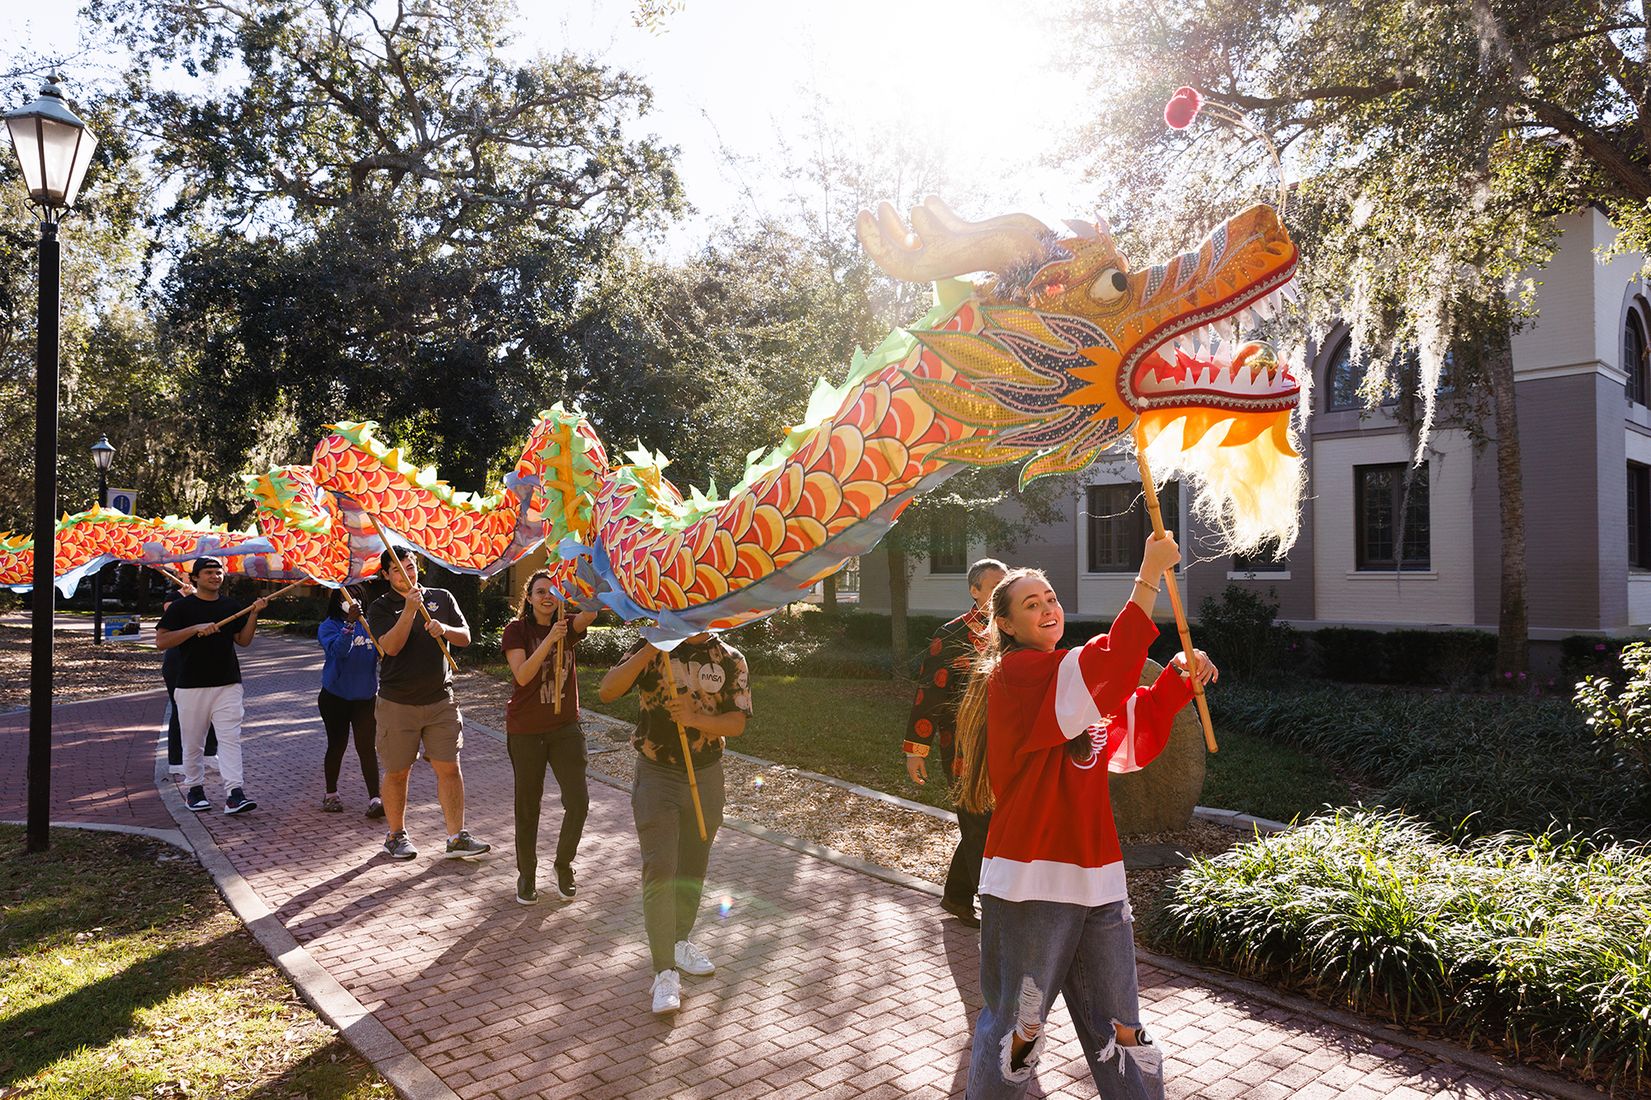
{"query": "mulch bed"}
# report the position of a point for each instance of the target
(80, 670)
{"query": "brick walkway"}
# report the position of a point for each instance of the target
(103, 761)
(830, 983)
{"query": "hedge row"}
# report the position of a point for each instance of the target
(1478, 763)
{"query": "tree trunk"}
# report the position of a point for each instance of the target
(828, 595)
(899, 595)
(1513, 627)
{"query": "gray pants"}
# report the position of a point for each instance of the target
(673, 856)
(1032, 950)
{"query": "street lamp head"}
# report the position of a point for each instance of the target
(103, 452)
(53, 147)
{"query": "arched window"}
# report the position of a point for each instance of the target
(1633, 355)
(1342, 379)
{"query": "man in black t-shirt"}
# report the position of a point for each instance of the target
(208, 691)
(711, 701)
(169, 676)
(415, 705)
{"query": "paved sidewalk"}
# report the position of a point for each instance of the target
(830, 983)
(103, 761)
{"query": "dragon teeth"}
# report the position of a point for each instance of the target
(1290, 293)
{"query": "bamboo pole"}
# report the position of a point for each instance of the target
(561, 675)
(1174, 594)
(178, 581)
(408, 581)
(561, 669)
(687, 755)
(277, 594)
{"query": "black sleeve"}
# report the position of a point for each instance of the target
(453, 613)
(381, 617)
(172, 617)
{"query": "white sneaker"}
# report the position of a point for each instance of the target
(667, 992)
(691, 960)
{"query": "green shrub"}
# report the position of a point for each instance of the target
(604, 646)
(1591, 655)
(1620, 715)
(873, 626)
(1238, 632)
(1444, 657)
(1482, 763)
(1418, 657)
(1522, 940)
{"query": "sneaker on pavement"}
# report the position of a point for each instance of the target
(332, 804)
(465, 846)
(667, 992)
(197, 800)
(238, 803)
(564, 882)
(526, 893)
(691, 960)
(375, 807)
(398, 846)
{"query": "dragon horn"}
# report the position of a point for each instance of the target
(942, 244)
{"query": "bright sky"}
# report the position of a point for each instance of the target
(973, 79)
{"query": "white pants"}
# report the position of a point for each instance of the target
(199, 708)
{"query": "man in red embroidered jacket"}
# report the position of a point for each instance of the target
(941, 679)
(1032, 850)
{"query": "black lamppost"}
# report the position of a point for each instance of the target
(103, 453)
(53, 148)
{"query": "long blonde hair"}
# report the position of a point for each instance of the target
(974, 786)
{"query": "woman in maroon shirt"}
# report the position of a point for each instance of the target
(542, 728)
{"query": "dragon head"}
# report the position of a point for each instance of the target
(1074, 348)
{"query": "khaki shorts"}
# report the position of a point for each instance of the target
(403, 727)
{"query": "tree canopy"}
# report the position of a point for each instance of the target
(373, 212)
(1432, 142)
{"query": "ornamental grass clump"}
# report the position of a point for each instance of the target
(1538, 944)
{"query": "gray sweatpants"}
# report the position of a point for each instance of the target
(673, 856)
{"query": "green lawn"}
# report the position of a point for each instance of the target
(852, 729)
(123, 973)
(1256, 776)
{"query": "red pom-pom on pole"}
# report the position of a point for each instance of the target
(1182, 108)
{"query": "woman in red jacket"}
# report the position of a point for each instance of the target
(1040, 728)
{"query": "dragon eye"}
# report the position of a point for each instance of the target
(1109, 286)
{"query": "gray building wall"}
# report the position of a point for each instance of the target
(1571, 440)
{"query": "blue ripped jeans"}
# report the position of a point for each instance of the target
(1031, 950)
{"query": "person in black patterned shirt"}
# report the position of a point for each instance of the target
(712, 702)
(933, 725)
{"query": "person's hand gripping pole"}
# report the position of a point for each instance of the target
(408, 581)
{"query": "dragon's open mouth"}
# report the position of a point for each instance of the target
(1218, 359)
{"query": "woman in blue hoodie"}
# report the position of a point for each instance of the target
(349, 681)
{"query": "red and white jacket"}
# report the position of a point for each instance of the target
(1052, 836)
